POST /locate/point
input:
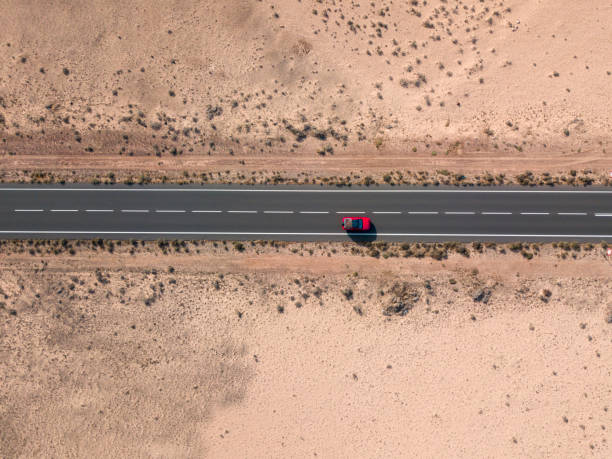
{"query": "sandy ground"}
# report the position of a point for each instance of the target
(304, 87)
(215, 353)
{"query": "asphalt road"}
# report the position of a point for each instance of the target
(425, 214)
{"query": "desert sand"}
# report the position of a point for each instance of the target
(270, 353)
(242, 89)
(293, 350)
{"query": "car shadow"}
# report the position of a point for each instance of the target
(368, 236)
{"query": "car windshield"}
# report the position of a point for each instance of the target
(353, 223)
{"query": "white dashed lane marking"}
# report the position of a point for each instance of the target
(163, 211)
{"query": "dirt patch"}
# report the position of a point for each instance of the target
(305, 91)
(197, 350)
(124, 366)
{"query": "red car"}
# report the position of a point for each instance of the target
(356, 224)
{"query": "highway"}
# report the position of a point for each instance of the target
(301, 213)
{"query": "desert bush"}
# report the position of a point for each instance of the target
(438, 254)
(545, 294)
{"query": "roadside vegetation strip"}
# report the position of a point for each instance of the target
(278, 189)
(378, 249)
(481, 236)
